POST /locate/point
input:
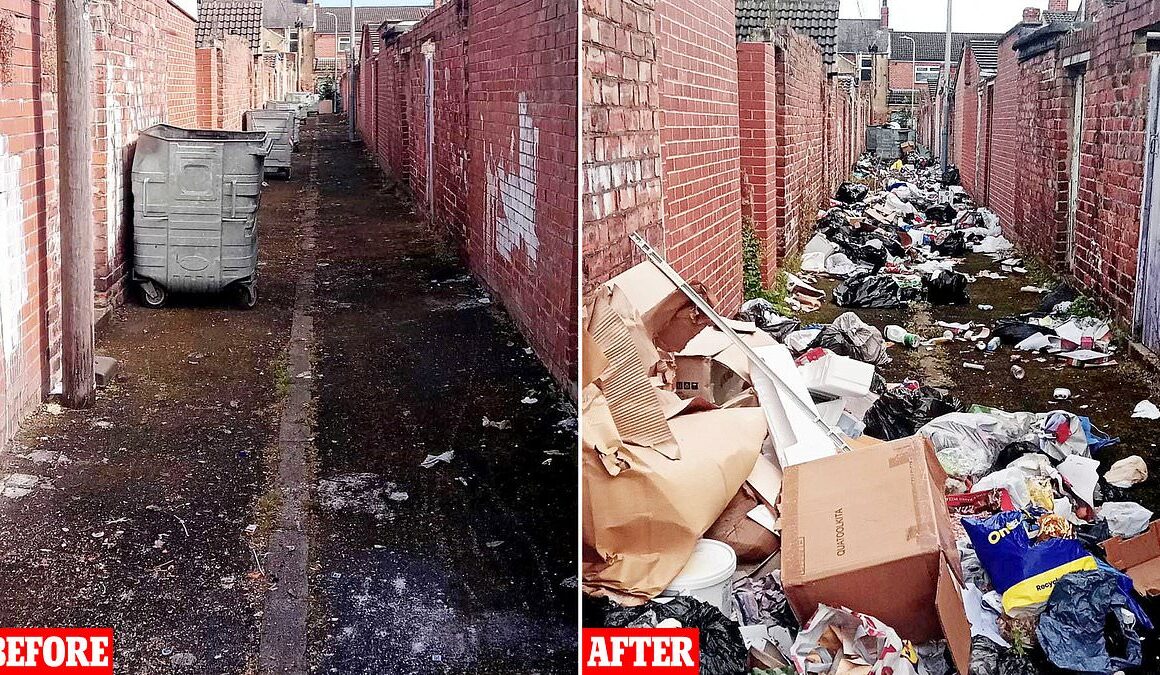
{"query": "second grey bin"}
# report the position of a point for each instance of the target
(195, 211)
(280, 124)
(298, 109)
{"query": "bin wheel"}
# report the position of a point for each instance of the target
(153, 294)
(248, 295)
(285, 173)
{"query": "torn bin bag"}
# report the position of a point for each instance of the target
(868, 291)
(1084, 628)
(851, 193)
(901, 412)
(850, 336)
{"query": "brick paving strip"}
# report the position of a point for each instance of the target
(283, 638)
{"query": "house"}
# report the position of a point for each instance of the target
(916, 59)
(863, 53)
(332, 33)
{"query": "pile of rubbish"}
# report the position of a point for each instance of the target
(759, 479)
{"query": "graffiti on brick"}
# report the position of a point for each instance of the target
(13, 276)
(511, 195)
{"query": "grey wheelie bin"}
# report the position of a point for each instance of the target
(280, 124)
(195, 211)
(298, 109)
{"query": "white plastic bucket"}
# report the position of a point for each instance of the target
(707, 576)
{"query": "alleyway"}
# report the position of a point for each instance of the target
(152, 512)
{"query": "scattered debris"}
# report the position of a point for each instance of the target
(432, 460)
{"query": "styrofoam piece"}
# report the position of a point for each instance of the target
(839, 376)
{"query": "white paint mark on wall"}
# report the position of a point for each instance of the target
(13, 275)
(511, 196)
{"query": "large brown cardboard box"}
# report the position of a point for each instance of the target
(869, 530)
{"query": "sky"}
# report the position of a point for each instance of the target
(970, 16)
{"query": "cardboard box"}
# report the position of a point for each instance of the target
(869, 530)
(713, 367)
(1139, 558)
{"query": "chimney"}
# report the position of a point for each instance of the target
(1057, 6)
(886, 13)
(1032, 15)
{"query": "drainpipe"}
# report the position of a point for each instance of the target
(353, 85)
(75, 159)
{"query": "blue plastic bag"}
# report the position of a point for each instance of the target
(1074, 629)
(1023, 571)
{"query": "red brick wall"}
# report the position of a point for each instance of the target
(504, 181)
(135, 75)
(181, 102)
(757, 76)
(1005, 153)
(902, 72)
(225, 83)
(966, 115)
(1112, 158)
(700, 141)
(1029, 177)
(800, 128)
(29, 234)
(621, 139)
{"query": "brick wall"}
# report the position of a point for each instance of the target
(1112, 159)
(757, 76)
(700, 143)
(965, 131)
(503, 180)
(225, 83)
(29, 234)
(1028, 182)
(800, 125)
(134, 78)
(621, 136)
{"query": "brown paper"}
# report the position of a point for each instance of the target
(641, 524)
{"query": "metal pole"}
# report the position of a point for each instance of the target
(335, 17)
(74, 123)
(350, 68)
(946, 121)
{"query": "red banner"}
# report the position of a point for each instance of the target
(56, 651)
(641, 651)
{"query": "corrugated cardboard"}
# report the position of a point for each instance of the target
(644, 512)
(751, 541)
(1139, 558)
(869, 530)
(656, 475)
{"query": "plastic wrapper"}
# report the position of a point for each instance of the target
(851, 193)
(901, 412)
(868, 291)
(1125, 519)
(1021, 570)
(837, 639)
(1084, 627)
(723, 651)
(850, 336)
(947, 288)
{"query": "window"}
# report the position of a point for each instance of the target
(866, 68)
(344, 43)
(926, 73)
(294, 40)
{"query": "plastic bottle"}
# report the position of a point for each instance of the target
(899, 335)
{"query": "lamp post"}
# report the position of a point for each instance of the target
(946, 120)
(914, 77)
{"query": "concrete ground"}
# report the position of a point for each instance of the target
(1106, 395)
(152, 512)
